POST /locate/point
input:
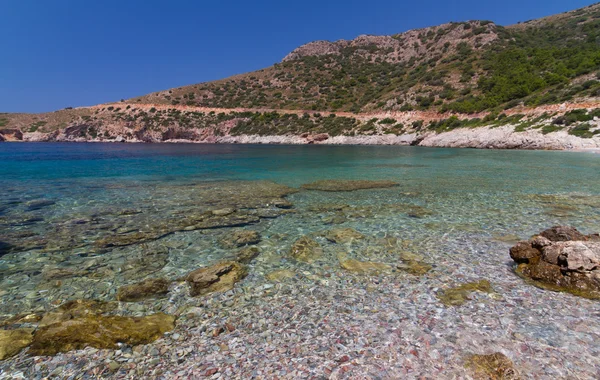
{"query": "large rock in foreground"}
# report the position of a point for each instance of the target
(345, 185)
(561, 259)
(220, 277)
(99, 332)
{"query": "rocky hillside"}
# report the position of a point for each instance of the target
(463, 67)
(536, 81)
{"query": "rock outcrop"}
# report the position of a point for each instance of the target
(561, 259)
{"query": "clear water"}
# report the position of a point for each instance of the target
(460, 210)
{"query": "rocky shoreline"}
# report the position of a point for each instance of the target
(479, 138)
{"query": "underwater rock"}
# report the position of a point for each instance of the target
(458, 295)
(76, 309)
(240, 238)
(280, 275)
(306, 249)
(561, 259)
(38, 204)
(100, 332)
(347, 185)
(13, 341)
(246, 255)
(491, 367)
(50, 273)
(282, 203)
(362, 267)
(20, 319)
(216, 278)
(5, 248)
(343, 235)
(327, 207)
(151, 287)
(223, 212)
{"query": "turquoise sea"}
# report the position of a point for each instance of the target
(77, 221)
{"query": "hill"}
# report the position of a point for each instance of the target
(542, 75)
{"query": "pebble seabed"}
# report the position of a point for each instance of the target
(290, 319)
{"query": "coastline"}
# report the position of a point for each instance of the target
(503, 137)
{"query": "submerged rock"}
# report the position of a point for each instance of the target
(343, 235)
(280, 275)
(152, 287)
(99, 332)
(306, 249)
(38, 204)
(246, 255)
(216, 278)
(5, 248)
(363, 267)
(347, 185)
(240, 238)
(413, 264)
(76, 309)
(561, 259)
(458, 295)
(13, 341)
(493, 366)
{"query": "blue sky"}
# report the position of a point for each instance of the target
(60, 53)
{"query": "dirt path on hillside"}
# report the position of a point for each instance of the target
(426, 116)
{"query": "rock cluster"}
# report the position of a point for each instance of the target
(561, 259)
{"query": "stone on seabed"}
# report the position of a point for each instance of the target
(306, 249)
(220, 277)
(151, 287)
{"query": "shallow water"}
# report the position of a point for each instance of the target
(107, 215)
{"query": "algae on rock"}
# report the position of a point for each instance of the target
(219, 277)
(306, 249)
(100, 332)
(362, 267)
(240, 238)
(13, 341)
(343, 235)
(494, 366)
(151, 287)
(458, 295)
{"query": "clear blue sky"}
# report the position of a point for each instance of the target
(60, 53)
